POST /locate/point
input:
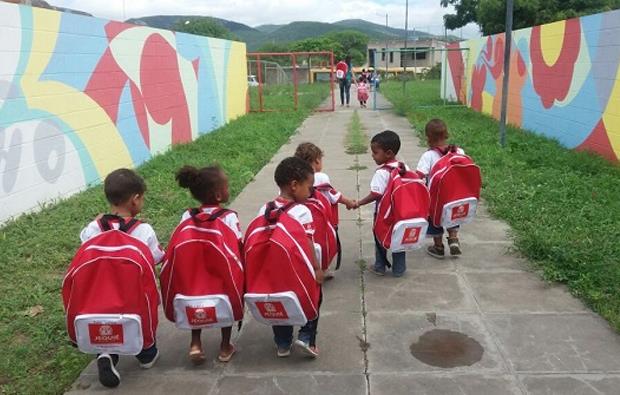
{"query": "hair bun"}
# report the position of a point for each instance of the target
(187, 176)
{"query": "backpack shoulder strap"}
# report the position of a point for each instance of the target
(196, 214)
(273, 212)
(126, 227)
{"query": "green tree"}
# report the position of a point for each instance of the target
(318, 44)
(203, 26)
(490, 14)
(353, 42)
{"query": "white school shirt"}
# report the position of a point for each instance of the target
(323, 179)
(429, 158)
(382, 177)
(230, 219)
(143, 232)
(298, 212)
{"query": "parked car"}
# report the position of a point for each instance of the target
(252, 80)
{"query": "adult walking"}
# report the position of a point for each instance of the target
(344, 74)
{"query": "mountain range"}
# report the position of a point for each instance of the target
(254, 37)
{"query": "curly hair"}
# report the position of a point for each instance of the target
(292, 169)
(387, 140)
(203, 183)
(308, 152)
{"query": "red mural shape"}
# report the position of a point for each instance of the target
(162, 87)
(106, 84)
(479, 78)
(457, 68)
(598, 142)
(552, 82)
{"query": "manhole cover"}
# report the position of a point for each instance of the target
(447, 349)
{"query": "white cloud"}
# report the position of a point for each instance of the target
(426, 15)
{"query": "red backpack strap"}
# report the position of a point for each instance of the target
(195, 213)
(402, 169)
(273, 212)
(123, 226)
(449, 149)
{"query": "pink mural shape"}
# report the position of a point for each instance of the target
(478, 80)
(457, 68)
(552, 82)
(598, 141)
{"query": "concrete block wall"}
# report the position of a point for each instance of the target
(81, 96)
(564, 80)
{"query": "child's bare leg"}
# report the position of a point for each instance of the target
(453, 233)
(438, 241)
(195, 348)
(226, 348)
(453, 242)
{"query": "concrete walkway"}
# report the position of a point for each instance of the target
(480, 324)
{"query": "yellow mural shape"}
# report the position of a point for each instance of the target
(236, 86)
(83, 115)
(611, 116)
(552, 39)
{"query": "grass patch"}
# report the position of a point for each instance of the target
(358, 167)
(37, 357)
(562, 205)
(356, 140)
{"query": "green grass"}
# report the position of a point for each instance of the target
(36, 249)
(563, 205)
(356, 141)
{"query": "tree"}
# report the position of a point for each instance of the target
(203, 26)
(490, 14)
(354, 43)
(318, 44)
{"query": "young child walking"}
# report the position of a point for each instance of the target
(312, 154)
(362, 91)
(124, 190)
(295, 178)
(437, 139)
(384, 147)
(209, 186)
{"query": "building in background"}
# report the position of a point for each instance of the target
(423, 55)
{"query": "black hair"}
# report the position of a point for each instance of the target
(203, 183)
(387, 140)
(121, 185)
(292, 169)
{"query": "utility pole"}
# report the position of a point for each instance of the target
(508, 46)
(404, 62)
(386, 45)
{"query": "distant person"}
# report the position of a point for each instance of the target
(362, 91)
(344, 75)
(376, 79)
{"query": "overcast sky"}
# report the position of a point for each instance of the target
(423, 14)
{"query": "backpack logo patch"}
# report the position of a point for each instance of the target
(272, 310)
(201, 315)
(411, 236)
(107, 334)
(460, 211)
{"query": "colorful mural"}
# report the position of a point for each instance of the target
(564, 80)
(80, 97)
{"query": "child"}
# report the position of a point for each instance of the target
(124, 190)
(295, 178)
(436, 137)
(314, 156)
(362, 91)
(209, 186)
(384, 147)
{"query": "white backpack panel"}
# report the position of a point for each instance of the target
(459, 212)
(280, 308)
(408, 234)
(109, 333)
(196, 312)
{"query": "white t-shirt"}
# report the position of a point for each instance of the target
(299, 212)
(429, 158)
(230, 219)
(321, 179)
(143, 232)
(382, 177)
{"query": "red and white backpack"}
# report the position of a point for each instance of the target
(454, 183)
(341, 70)
(110, 292)
(324, 234)
(334, 217)
(202, 274)
(401, 221)
(281, 287)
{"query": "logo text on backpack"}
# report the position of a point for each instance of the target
(411, 236)
(105, 333)
(201, 315)
(460, 211)
(272, 310)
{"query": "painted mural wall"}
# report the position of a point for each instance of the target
(564, 80)
(81, 96)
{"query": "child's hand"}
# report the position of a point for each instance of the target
(320, 276)
(352, 205)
